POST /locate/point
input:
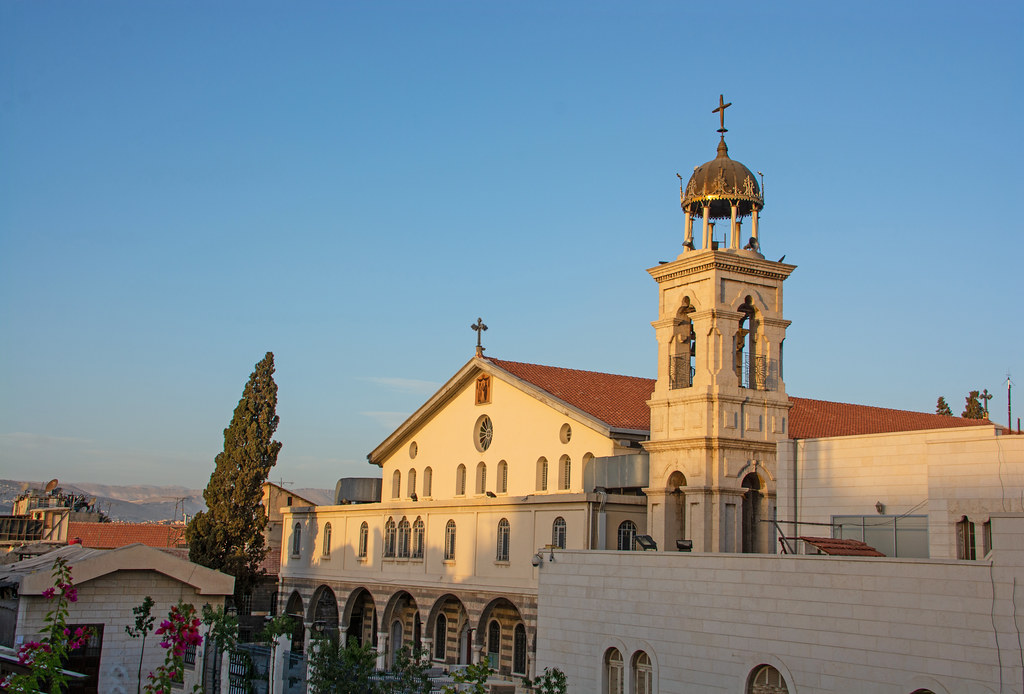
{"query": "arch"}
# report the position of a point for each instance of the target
(542, 474)
(418, 538)
(564, 472)
(460, 480)
(402, 610)
(452, 648)
(481, 477)
(396, 485)
(428, 481)
(751, 513)
(449, 541)
(641, 673)
(766, 679)
(626, 536)
(675, 509)
(297, 540)
(504, 614)
(364, 540)
(361, 617)
(613, 672)
(923, 684)
(682, 348)
(411, 483)
(326, 549)
(503, 540)
(294, 609)
(390, 537)
(323, 608)
(558, 532)
(502, 482)
(404, 538)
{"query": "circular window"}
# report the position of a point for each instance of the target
(413, 449)
(565, 434)
(484, 433)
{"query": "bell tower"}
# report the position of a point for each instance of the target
(719, 405)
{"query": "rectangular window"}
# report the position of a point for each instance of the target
(893, 536)
(986, 537)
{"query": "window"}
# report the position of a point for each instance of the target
(564, 472)
(643, 674)
(403, 538)
(417, 539)
(519, 650)
(627, 535)
(965, 548)
(986, 537)
(364, 539)
(766, 680)
(297, 540)
(484, 433)
(413, 450)
(893, 536)
(245, 608)
(481, 478)
(326, 551)
(411, 485)
(502, 477)
(449, 541)
(389, 538)
(558, 533)
(460, 481)
(273, 604)
(428, 481)
(396, 485)
(542, 474)
(565, 433)
(613, 679)
(493, 643)
(504, 531)
(289, 502)
(440, 637)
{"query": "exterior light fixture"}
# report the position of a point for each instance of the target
(536, 560)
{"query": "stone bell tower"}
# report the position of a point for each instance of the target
(719, 405)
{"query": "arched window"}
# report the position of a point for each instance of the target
(449, 540)
(751, 513)
(403, 538)
(519, 650)
(440, 637)
(627, 535)
(364, 539)
(504, 531)
(417, 539)
(542, 474)
(396, 485)
(428, 481)
(502, 477)
(297, 540)
(766, 680)
(613, 672)
(494, 643)
(326, 551)
(564, 472)
(389, 538)
(643, 674)
(481, 478)
(965, 545)
(558, 533)
(411, 484)
(460, 480)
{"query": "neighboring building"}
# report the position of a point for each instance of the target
(110, 583)
(42, 517)
(508, 464)
(170, 538)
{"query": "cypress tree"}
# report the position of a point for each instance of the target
(973, 408)
(228, 536)
(942, 407)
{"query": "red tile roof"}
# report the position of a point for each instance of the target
(621, 403)
(113, 535)
(618, 401)
(842, 548)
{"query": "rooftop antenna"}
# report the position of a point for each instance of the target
(1009, 410)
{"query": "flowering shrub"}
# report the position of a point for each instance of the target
(45, 657)
(179, 631)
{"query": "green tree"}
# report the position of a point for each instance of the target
(942, 407)
(345, 670)
(143, 625)
(973, 409)
(551, 681)
(228, 536)
(474, 675)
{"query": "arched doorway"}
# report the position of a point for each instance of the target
(294, 610)
(449, 627)
(402, 617)
(361, 617)
(497, 634)
(675, 510)
(751, 521)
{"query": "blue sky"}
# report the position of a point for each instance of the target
(187, 185)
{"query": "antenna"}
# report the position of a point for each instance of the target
(1009, 409)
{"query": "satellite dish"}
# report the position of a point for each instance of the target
(51, 485)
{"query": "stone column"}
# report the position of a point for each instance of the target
(753, 223)
(427, 644)
(734, 237)
(382, 650)
(656, 500)
(688, 230)
(706, 243)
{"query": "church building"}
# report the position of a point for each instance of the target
(514, 502)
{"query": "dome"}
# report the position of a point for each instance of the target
(719, 183)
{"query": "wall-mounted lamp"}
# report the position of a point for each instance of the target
(319, 626)
(551, 553)
(880, 507)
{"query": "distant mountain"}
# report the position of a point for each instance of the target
(141, 503)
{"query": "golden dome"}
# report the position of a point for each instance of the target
(721, 183)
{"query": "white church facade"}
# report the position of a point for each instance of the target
(512, 501)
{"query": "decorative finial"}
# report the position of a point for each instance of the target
(479, 327)
(721, 113)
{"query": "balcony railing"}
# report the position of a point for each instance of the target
(680, 374)
(760, 373)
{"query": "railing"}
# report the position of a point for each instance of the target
(760, 373)
(680, 374)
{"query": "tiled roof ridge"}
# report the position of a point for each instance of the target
(499, 362)
(888, 409)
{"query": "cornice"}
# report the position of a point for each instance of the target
(720, 261)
